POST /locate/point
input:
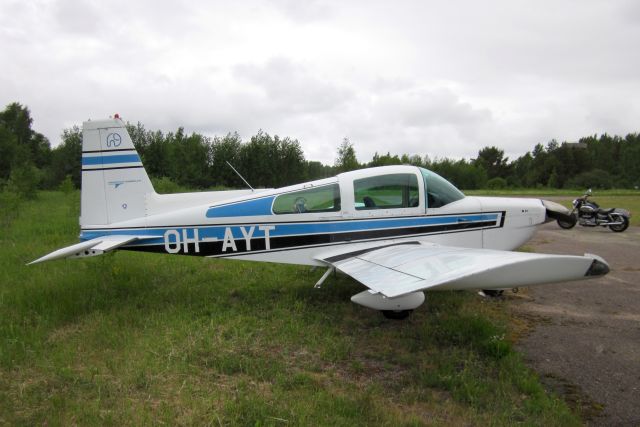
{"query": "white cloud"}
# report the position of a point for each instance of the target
(443, 79)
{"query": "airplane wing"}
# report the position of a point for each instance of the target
(398, 269)
(92, 247)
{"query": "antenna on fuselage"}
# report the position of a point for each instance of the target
(241, 177)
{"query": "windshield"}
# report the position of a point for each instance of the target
(439, 191)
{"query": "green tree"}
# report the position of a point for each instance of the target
(595, 178)
(190, 157)
(346, 160)
(290, 162)
(257, 163)
(17, 119)
(462, 174)
(35, 146)
(66, 159)
(630, 160)
(492, 160)
(316, 170)
(221, 151)
(553, 179)
(384, 160)
(8, 151)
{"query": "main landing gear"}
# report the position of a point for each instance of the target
(396, 314)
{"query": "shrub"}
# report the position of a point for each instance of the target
(497, 183)
(596, 178)
(66, 186)
(164, 185)
(9, 206)
(24, 181)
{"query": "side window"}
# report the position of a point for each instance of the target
(321, 199)
(387, 192)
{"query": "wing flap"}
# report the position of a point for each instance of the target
(375, 276)
(399, 269)
(92, 247)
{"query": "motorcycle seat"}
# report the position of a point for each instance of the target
(606, 211)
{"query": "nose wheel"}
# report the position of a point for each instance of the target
(396, 314)
(492, 293)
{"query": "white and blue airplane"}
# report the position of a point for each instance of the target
(398, 230)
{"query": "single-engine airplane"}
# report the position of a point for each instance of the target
(399, 230)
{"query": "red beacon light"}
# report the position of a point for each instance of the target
(116, 116)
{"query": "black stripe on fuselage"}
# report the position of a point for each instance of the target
(283, 243)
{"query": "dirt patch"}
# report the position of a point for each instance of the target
(588, 347)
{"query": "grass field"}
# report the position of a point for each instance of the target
(133, 339)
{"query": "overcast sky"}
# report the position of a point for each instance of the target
(419, 77)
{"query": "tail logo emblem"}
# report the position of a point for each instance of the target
(114, 140)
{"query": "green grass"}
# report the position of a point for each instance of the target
(131, 338)
(625, 199)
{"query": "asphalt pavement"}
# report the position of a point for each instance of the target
(585, 338)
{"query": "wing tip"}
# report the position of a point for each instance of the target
(598, 267)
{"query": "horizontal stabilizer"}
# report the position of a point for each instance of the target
(399, 269)
(92, 247)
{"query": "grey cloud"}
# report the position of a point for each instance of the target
(304, 11)
(428, 108)
(79, 16)
(292, 87)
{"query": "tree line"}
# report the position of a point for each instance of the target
(177, 160)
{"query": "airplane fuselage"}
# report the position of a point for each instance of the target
(295, 224)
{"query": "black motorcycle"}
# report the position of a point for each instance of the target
(588, 214)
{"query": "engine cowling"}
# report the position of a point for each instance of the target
(555, 211)
(380, 302)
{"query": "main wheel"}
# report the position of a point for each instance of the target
(396, 314)
(621, 227)
(567, 224)
(493, 293)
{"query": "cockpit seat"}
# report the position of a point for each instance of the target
(368, 202)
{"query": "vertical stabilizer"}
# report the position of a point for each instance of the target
(114, 182)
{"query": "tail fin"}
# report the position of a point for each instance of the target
(114, 182)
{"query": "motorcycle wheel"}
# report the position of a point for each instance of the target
(620, 228)
(568, 224)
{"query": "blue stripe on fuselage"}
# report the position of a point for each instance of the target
(292, 229)
(249, 208)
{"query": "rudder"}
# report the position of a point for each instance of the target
(114, 182)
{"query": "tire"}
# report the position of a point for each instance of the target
(568, 224)
(493, 293)
(620, 228)
(396, 315)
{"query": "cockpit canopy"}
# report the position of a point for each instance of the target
(440, 192)
(390, 187)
